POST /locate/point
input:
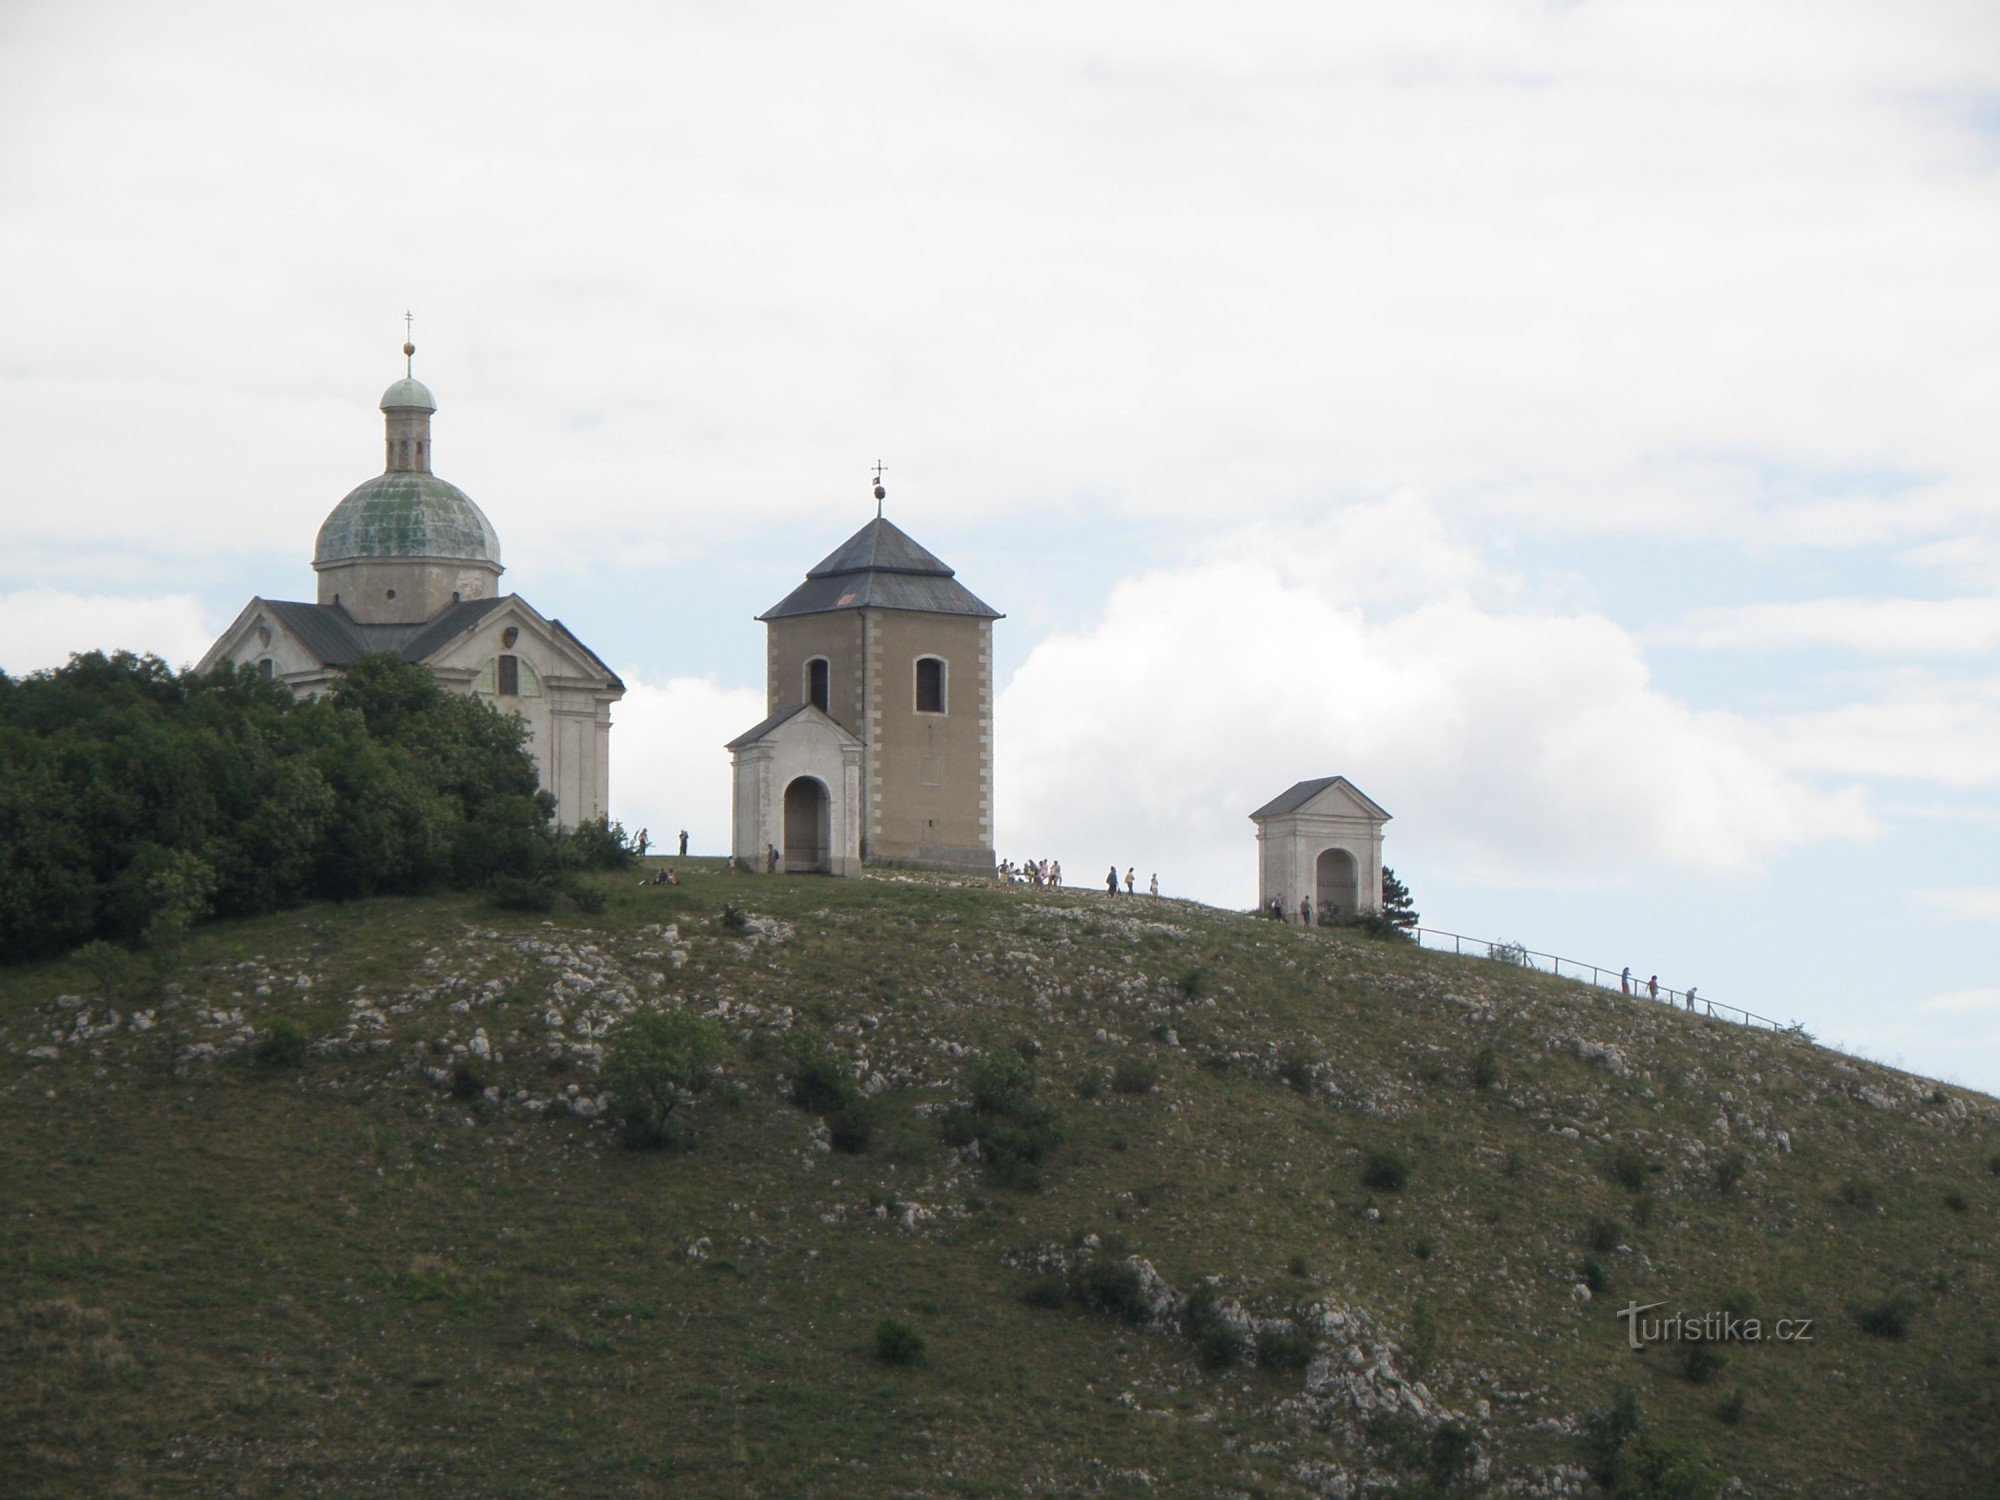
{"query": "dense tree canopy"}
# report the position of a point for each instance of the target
(135, 800)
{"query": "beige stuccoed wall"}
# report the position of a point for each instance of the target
(929, 776)
(1289, 847)
(423, 586)
(871, 656)
(805, 746)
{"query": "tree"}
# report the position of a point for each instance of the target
(660, 1058)
(1396, 903)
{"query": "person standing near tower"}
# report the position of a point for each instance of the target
(684, 843)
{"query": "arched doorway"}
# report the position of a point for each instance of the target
(1338, 879)
(808, 827)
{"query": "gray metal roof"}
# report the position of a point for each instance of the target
(409, 392)
(407, 513)
(452, 620)
(880, 567)
(785, 716)
(335, 638)
(1300, 793)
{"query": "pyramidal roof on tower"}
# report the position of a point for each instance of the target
(880, 567)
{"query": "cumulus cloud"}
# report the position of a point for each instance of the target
(668, 767)
(1945, 731)
(1885, 627)
(1973, 1002)
(1517, 741)
(42, 627)
(1972, 903)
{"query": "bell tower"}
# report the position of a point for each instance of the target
(884, 639)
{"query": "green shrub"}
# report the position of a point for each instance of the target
(597, 845)
(1090, 1083)
(1296, 1066)
(1606, 1436)
(1135, 1075)
(1046, 1292)
(588, 899)
(1859, 1193)
(851, 1130)
(1217, 1341)
(1957, 1203)
(1286, 1344)
(1627, 1166)
(819, 1080)
(467, 1080)
(1593, 1275)
(1454, 1452)
(1700, 1362)
(1509, 953)
(1110, 1283)
(1297, 1266)
(733, 919)
(1603, 1236)
(1422, 1345)
(1386, 1171)
(1015, 1130)
(1729, 1171)
(1374, 924)
(1887, 1319)
(1993, 1164)
(1485, 1068)
(532, 893)
(283, 1046)
(658, 1059)
(1193, 984)
(898, 1343)
(1729, 1410)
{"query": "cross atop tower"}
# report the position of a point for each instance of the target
(880, 493)
(409, 347)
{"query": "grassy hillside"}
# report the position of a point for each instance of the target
(419, 1260)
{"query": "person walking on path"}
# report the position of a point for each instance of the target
(1690, 997)
(684, 843)
(1111, 881)
(1277, 911)
(1305, 911)
(1156, 885)
(1625, 981)
(643, 841)
(770, 859)
(1653, 987)
(1131, 882)
(1055, 874)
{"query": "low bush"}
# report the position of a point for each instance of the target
(1047, 1292)
(1014, 1129)
(1217, 1340)
(1297, 1067)
(1135, 1075)
(1374, 924)
(1386, 1171)
(531, 893)
(1700, 1362)
(898, 1343)
(1603, 1235)
(1729, 1171)
(467, 1080)
(1509, 953)
(1485, 1068)
(733, 919)
(597, 845)
(283, 1046)
(1859, 1193)
(1286, 1343)
(1109, 1282)
(1627, 1166)
(1887, 1319)
(1957, 1203)
(588, 899)
(1454, 1453)
(818, 1079)
(1193, 984)
(851, 1130)
(1090, 1082)
(1729, 1410)
(1593, 1275)
(655, 1062)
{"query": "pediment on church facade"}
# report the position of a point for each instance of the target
(471, 642)
(800, 722)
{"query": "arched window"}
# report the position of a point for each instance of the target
(817, 673)
(510, 677)
(930, 685)
(265, 669)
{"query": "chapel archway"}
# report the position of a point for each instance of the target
(808, 827)
(1337, 879)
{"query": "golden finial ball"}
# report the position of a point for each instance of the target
(409, 349)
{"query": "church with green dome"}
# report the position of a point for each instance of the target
(408, 563)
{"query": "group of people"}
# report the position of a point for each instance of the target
(645, 839)
(1131, 881)
(1042, 874)
(665, 875)
(1626, 984)
(1275, 910)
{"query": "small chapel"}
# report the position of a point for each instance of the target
(407, 563)
(879, 740)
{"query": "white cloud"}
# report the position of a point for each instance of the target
(1974, 1002)
(42, 627)
(1514, 741)
(1947, 731)
(1897, 627)
(668, 768)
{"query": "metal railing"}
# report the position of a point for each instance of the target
(1597, 974)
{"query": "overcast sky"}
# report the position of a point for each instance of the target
(1575, 423)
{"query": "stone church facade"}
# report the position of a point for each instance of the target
(407, 563)
(879, 743)
(1320, 839)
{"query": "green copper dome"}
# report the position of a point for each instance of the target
(409, 392)
(406, 513)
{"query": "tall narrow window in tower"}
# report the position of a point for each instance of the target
(510, 676)
(816, 683)
(930, 685)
